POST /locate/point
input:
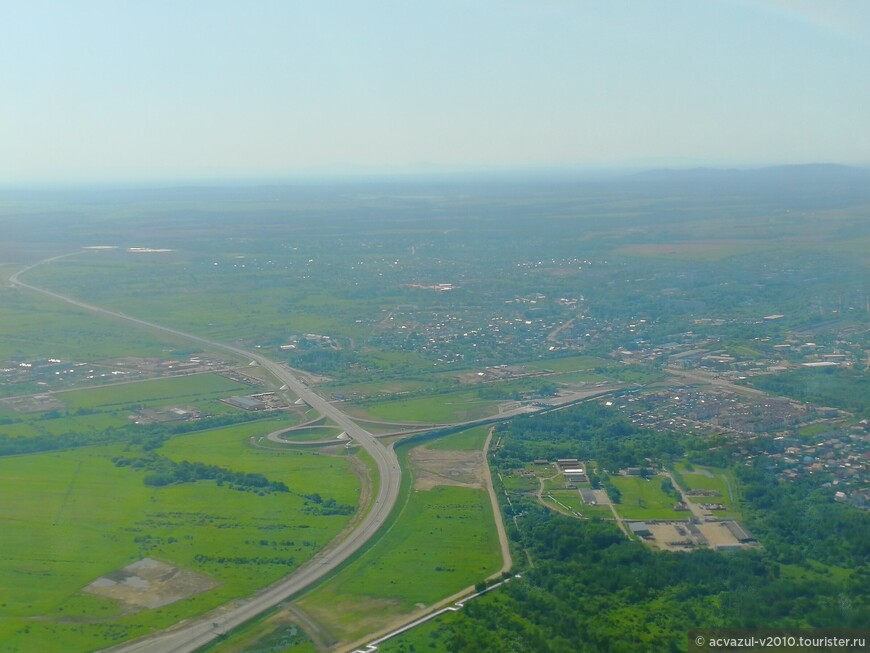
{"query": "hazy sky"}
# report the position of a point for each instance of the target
(118, 89)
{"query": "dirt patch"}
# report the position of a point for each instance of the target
(434, 468)
(685, 535)
(149, 584)
(718, 535)
(672, 536)
(601, 497)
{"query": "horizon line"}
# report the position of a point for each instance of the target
(336, 174)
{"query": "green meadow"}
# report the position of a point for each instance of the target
(107, 407)
(32, 326)
(425, 637)
(312, 434)
(697, 477)
(71, 517)
(212, 299)
(563, 502)
(278, 632)
(435, 409)
(468, 440)
(516, 483)
(644, 499)
(441, 541)
(376, 388)
(557, 483)
(157, 392)
(571, 364)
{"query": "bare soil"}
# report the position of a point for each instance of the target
(717, 534)
(434, 468)
(149, 584)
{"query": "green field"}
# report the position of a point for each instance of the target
(574, 502)
(698, 477)
(312, 434)
(584, 377)
(147, 285)
(74, 516)
(278, 632)
(443, 541)
(375, 388)
(97, 410)
(469, 440)
(644, 499)
(564, 500)
(557, 483)
(81, 424)
(571, 364)
(437, 409)
(422, 638)
(32, 326)
(159, 392)
(521, 483)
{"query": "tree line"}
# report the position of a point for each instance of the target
(590, 589)
(162, 471)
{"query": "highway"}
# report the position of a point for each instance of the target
(190, 635)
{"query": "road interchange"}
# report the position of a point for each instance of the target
(192, 634)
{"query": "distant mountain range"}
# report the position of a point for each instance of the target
(788, 174)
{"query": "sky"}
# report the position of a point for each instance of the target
(192, 89)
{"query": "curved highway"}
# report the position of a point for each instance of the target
(190, 635)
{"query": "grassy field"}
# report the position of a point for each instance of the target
(572, 500)
(442, 541)
(422, 638)
(644, 499)
(376, 388)
(515, 483)
(211, 298)
(32, 326)
(276, 632)
(557, 483)
(157, 392)
(72, 517)
(571, 364)
(468, 440)
(582, 377)
(301, 469)
(697, 477)
(564, 501)
(106, 407)
(312, 434)
(436, 409)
